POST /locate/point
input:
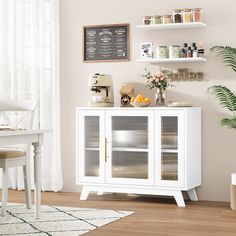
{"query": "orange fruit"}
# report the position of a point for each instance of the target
(139, 99)
(140, 96)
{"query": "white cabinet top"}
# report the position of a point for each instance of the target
(138, 108)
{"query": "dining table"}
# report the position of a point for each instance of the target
(33, 137)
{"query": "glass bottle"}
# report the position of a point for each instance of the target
(197, 15)
(195, 52)
(156, 20)
(189, 54)
(187, 15)
(167, 19)
(177, 16)
(183, 54)
(185, 49)
(147, 20)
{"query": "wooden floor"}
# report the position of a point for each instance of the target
(153, 216)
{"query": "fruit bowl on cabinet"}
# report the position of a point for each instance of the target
(140, 101)
(140, 104)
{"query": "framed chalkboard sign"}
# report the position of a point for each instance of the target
(104, 43)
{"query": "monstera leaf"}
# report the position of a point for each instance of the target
(227, 54)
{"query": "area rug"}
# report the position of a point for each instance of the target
(56, 220)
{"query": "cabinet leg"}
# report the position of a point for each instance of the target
(100, 193)
(192, 194)
(179, 199)
(84, 194)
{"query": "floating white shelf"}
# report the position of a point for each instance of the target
(191, 25)
(173, 60)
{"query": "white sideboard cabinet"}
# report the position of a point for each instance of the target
(153, 151)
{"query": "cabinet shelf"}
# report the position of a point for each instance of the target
(127, 149)
(169, 150)
(190, 25)
(119, 149)
(92, 149)
(173, 60)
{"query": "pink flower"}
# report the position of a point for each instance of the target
(156, 74)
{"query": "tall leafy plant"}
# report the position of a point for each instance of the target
(227, 100)
(227, 54)
(225, 97)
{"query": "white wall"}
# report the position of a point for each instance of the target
(219, 144)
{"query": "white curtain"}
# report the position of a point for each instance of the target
(29, 70)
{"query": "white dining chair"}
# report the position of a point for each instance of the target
(13, 156)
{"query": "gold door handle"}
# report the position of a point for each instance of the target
(106, 151)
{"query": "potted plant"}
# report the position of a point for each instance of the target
(226, 98)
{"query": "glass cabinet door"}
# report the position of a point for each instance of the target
(91, 146)
(92, 143)
(170, 143)
(129, 147)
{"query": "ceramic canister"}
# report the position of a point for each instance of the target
(161, 52)
(174, 51)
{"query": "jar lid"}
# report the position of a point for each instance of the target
(177, 10)
(197, 9)
(187, 10)
(175, 46)
(162, 46)
(157, 16)
(167, 16)
(147, 17)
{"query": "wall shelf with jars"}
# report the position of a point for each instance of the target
(180, 19)
(189, 25)
(172, 60)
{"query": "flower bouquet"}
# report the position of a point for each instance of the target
(160, 80)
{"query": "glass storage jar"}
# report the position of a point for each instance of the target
(177, 16)
(147, 20)
(187, 15)
(167, 19)
(156, 20)
(197, 15)
(161, 52)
